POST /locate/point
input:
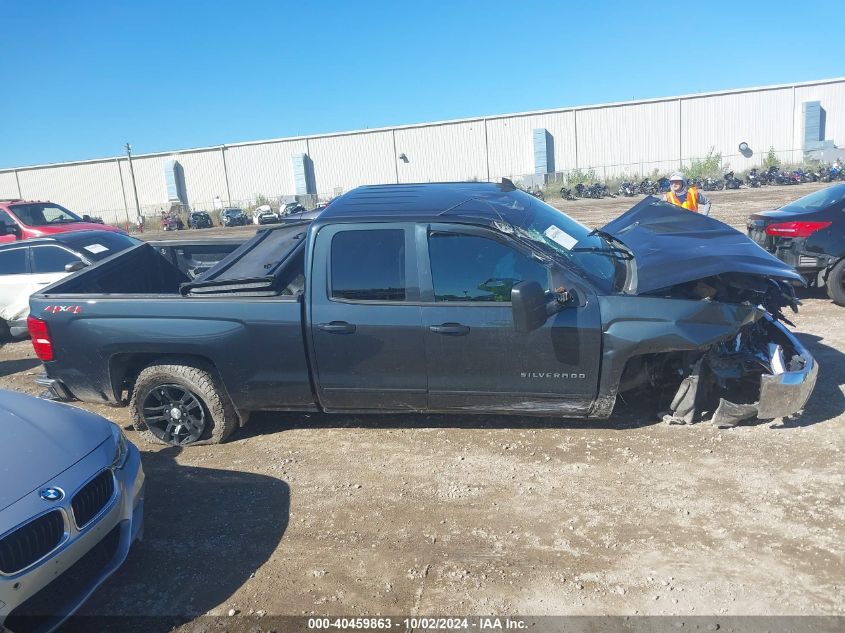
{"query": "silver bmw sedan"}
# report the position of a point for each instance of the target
(71, 505)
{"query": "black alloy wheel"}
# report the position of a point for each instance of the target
(174, 415)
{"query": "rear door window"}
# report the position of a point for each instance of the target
(368, 265)
(51, 259)
(13, 261)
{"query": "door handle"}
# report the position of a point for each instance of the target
(454, 329)
(337, 327)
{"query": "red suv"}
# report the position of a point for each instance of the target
(21, 219)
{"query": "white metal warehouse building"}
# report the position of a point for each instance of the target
(634, 137)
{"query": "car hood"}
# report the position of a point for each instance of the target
(674, 246)
(40, 439)
(73, 226)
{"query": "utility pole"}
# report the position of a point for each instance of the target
(132, 175)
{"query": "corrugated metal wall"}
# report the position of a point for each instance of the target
(92, 188)
(832, 97)
(8, 185)
(344, 162)
(624, 138)
(635, 138)
(451, 151)
(261, 169)
(511, 155)
(763, 119)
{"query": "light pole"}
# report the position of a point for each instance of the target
(132, 175)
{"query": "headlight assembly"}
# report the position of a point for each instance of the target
(121, 448)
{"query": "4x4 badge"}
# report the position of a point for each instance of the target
(55, 309)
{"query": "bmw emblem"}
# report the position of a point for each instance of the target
(52, 494)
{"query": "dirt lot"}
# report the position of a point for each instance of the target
(305, 514)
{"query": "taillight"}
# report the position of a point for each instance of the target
(795, 229)
(40, 338)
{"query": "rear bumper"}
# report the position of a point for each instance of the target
(55, 389)
(791, 251)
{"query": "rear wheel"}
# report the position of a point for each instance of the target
(836, 283)
(181, 404)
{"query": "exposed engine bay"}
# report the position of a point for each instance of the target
(770, 294)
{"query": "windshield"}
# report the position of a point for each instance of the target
(817, 201)
(232, 212)
(555, 233)
(43, 214)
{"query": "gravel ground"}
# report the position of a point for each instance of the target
(315, 514)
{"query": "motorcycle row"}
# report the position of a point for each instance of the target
(754, 178)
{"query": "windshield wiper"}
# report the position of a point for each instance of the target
(617, 253)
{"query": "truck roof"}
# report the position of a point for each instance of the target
(419, 200)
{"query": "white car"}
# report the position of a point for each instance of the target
(27, 266)
(265, 215)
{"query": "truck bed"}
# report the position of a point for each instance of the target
(113, 318)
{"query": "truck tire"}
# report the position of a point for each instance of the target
(181, 405)
(836, 283)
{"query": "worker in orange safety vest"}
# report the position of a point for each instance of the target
(688, 198)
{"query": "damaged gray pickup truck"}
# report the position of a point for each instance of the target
(466, 297)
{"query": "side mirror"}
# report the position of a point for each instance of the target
(6, 229)
(529, 306)
(74, 266)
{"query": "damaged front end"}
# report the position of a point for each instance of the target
(697, 324)
(763, 372)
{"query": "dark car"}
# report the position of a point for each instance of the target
(450, 297)
(30, 265)
(200, 220)
(808, 234)
(300, 213)
(233, 217)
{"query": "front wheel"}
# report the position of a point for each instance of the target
(181, 404)
(836, 283)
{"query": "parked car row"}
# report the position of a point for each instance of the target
(234, 216)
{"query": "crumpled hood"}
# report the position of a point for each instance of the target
(40, 439)
(673, 246)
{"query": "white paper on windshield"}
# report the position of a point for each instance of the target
(96, 248)
(561, 237)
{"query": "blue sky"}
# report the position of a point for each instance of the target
(82, 78)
